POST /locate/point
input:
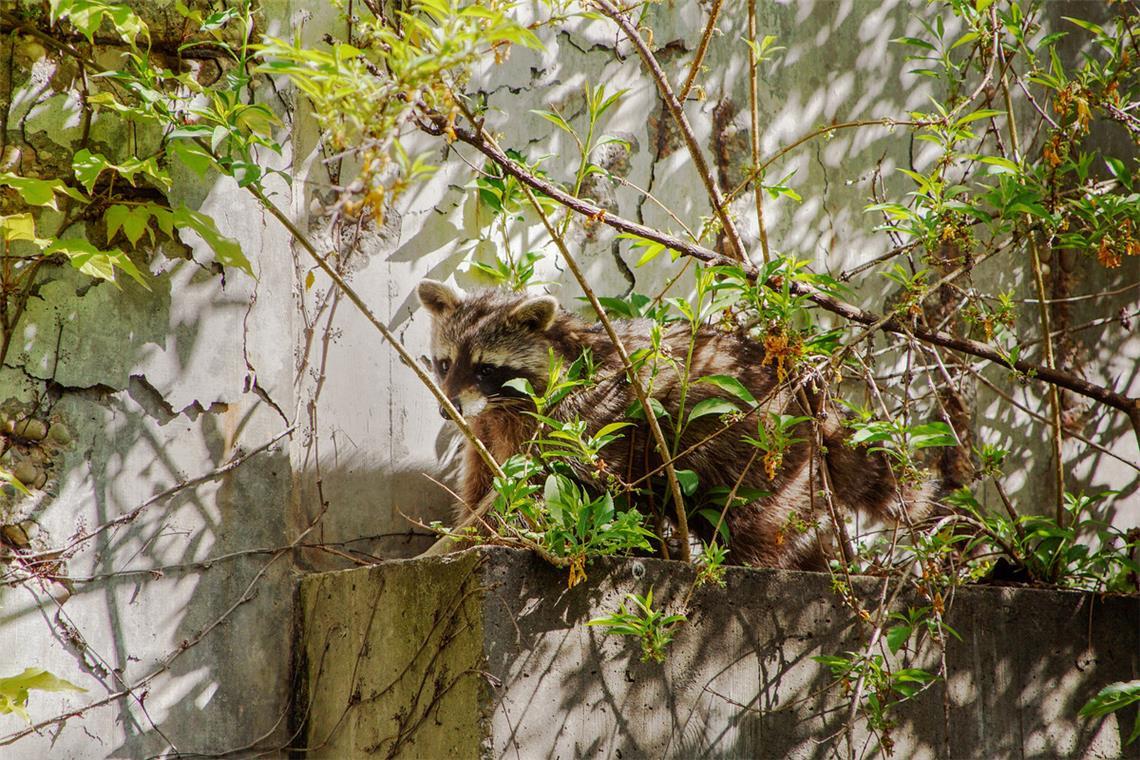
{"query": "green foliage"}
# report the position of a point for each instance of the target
(365, 94)
(883, 687)
(652, 628)
(899, 441)
(15, 690)
(1085, 553)
(710, 564)
(1115, 696)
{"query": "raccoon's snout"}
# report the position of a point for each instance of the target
(454, 402)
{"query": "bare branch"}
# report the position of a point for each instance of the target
(891, 324)
(677, 112)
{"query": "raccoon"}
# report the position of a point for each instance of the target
(481, 341)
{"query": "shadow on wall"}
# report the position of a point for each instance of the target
(739, 681)
(163, 605)
(487, 652)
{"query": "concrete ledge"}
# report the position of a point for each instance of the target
(485, 653)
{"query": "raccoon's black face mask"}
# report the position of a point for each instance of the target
(482, 341)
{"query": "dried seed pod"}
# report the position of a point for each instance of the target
(31, 429)
(14, 535)
(59, 434)
(26, 472)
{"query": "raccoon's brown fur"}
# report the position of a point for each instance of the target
(485, 339)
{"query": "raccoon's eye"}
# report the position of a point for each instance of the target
(444, 366)
(483, 371)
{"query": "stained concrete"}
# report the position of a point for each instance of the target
(486, 653)
(206, 366)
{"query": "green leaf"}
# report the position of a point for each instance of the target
(148, 166)
(611, 428)
(554, 119)
(88, 166)
(914, 42)
(898, 636)
(1002, 165)
(193, 156)
(981, 113)
(37, 192)
(14, 689)
(688, 480)
(636, 412)
(730, 384)
(520, 384)
(227, 250)
(7, 478)
(133, 221)
(126, 23)
(1112, 698)
(932, 434)
(651, 252)
(1088, 26)
(20, 227)
(560, 495)
(100, 264)
(713, 517)
(218, 20)
(712, 406)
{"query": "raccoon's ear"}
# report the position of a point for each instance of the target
(437, 298)
(535, 314)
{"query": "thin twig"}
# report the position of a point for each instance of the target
(754, 112)
(702, 48)
(1068, 381)
(700, 165)
(1043, 311)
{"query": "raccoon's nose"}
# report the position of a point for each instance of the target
(454, 402)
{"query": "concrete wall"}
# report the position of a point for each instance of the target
(148, 390)
(486, 654)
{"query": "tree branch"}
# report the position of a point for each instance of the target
(850, 312)
(677, 112)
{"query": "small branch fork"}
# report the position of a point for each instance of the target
(676, 110)
(1107, 396)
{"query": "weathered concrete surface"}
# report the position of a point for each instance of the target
(153, 388)
(175, 396)
(486, 654)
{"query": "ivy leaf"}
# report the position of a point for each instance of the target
(227, 250)
(37, 192)
(20, 227)
(132, 221)
(14, 689)
(148, 166)
(100, 264)
(88, 166)
(193, 156)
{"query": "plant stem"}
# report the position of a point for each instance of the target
(1043, 311)
(1102, 394)
(677, 112)
(754, 109)
(702, 49)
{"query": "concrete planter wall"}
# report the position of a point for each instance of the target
(486, 653)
